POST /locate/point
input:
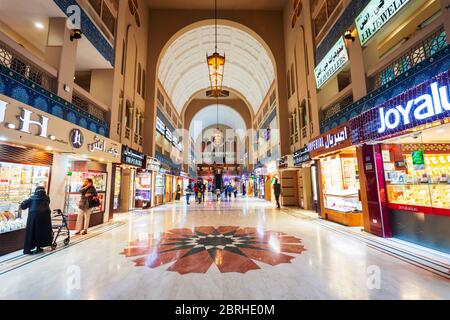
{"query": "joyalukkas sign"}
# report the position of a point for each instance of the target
(23, 124)
(423, 104)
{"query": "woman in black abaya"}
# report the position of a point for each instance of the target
(39, 224)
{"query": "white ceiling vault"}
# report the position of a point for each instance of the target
(248, 69)
(207, 117)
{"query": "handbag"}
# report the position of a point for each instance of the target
(83, 204)
(95, 202)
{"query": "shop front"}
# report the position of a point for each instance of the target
(289, 181)
(308, 188)
(38, 149)
(159, 190)
(339, 183)
(407, 151)
(271, 175)
(21, 171)
(135, 180)
(259, 180)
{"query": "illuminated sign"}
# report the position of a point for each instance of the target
(132, 157)
(416, 110)
(329, 140)
(335, 59)
(301, 156)
(160, 126)
(76, 138)
(169, 135)
(153, 164)
(335, 139)
(375, 16)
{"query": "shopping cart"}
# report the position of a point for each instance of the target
(60, 228)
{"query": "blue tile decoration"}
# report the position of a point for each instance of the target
(83, 123)
(343, 23)
(165, 120)
(89, 29)
(20, 94)
(41, 104)
(175, 168)
(24, 90)
(415, 76)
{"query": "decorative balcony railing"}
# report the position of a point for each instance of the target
(87, 105)
(10, 59)
(31, 84)
(430, 67)
(420, 52)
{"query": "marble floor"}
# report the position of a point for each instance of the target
(243, 249)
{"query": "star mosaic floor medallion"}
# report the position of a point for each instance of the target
(231, 249)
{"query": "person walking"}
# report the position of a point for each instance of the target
(244, 190)
(202, 191)
(38, 233)
(196, 191)
(86, 205)
(277, 192)
(235, 190)
(230, 191)
(188, 193)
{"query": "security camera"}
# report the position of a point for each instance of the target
(76, 34)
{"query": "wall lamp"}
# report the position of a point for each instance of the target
(348, 36)
(76, 34)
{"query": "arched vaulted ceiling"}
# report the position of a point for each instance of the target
(207, 117)
(248, 70)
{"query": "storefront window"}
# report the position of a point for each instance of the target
(117, 182)
(143, 189)
(417, 171)
(340, 180)
(75, 182)
(17, 183)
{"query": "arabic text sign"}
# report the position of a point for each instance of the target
(335, 139)
(335, 59)
(375, 16)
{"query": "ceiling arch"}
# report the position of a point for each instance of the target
(207, 117)
(249, 68)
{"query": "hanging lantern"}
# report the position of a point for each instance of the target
(216, 68)
(218, 138)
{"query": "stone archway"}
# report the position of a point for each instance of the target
(168, 25)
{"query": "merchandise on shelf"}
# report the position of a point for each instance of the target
(341, 184)
(17, 183)
(425, 186)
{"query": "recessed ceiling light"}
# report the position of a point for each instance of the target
(39, 25)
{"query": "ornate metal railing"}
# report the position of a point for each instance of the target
(9, 58)
(422, 51)
(90, 107)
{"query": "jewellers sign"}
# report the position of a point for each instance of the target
(423, 104)
(335, 59)
(23, 124)
(301, 156)
(335, 139)
(132, 157)
(375, 16)
(153, 164)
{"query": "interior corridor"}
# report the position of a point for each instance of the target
(238, 249)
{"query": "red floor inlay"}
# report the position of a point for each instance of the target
(231, 249)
